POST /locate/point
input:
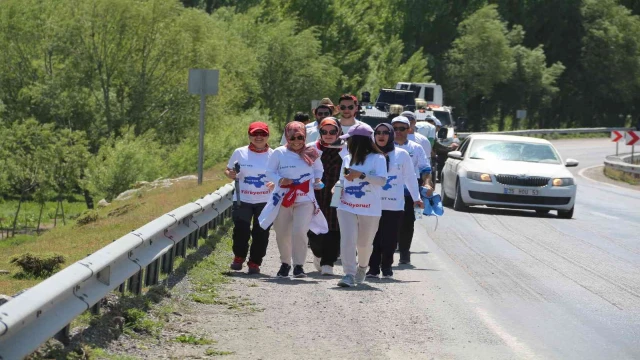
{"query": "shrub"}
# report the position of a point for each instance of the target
(87, 217)
(121, 163)
(37, 266)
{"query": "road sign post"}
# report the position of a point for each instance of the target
(615, 137)
(202, 82)
(632, 137)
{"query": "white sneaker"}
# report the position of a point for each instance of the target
(327, 270)
(316, 263)
(361, 274)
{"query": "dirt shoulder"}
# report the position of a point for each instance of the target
(262, 317)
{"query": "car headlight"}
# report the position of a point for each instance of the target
(562, 182)
(478, 176)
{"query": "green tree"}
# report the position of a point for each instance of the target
(480, 59)
(611, 62)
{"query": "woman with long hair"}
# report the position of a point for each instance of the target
(401, 174)
(254, 190)
(293, 168)
(326, 247)
(364, 172)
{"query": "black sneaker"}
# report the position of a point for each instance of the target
(284, 271)
(298, 271)
(387, 273)
(405, 257)
(373, 273)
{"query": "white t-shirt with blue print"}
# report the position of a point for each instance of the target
(252, 176)
(401, 174)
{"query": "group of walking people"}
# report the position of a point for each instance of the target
(335, 185)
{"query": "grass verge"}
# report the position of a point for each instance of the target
(76, 242)
(621, 176)
(142, 319)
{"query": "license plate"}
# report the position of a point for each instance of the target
(519, 191)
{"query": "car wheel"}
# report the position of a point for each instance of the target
(446, 201)
(458, 203)
(565, 214)
(542, 212)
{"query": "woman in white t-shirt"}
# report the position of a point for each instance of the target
(294, 167)
(254, 190)
(401, 174)
(364, 172)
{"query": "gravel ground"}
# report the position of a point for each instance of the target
(312, 318)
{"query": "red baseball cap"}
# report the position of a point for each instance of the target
(258, 126)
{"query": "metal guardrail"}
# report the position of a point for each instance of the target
(623, 163)
(46, 310)
(463, 135)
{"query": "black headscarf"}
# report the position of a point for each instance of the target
(390, 143)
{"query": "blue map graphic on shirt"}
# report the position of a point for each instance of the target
(388, 186)
(297, 181)
(255, 180)
(356, 190)
(276, 198)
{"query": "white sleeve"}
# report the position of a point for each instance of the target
(409, 176)
(233, 159)
(426, 146)
(423, 165)
(380, 167)
(318, 170)
(272, 167)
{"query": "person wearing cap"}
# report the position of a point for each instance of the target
(254, 190)
(400, 174)
(294, 168)
(422, 170)
(326, 247)
(416, 136)
(428, 128)
(349, 109)
(364, 173)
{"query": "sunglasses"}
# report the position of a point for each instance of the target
(400, 129)
(322, 113)
(299, 137)
(344, 107)
(383, 132)
(330, 132)
(259, 133)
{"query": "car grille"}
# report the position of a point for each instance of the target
(519, 199)
(536, 181)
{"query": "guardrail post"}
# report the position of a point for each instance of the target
(149, 273)
(167, 260)
(64, 335)
(121, 288)
(135, 283)
(95, 309)
(183, 248)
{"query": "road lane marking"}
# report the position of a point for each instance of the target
(511, 341)
(582, 171)
(605, 215)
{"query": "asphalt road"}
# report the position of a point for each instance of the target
(546, 287)
(487, 284)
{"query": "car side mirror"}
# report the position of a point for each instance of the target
(455, 155)
(571, 163)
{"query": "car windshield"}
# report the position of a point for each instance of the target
(513, 151)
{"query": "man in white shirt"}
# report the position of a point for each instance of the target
(401, 127)
(427, 128)
(416, 136)
(348, 105)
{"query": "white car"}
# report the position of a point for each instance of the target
(509, 172)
